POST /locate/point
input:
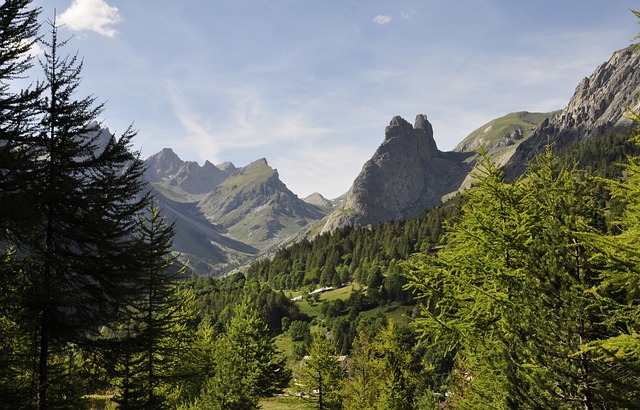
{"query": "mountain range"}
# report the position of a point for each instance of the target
(225, 216)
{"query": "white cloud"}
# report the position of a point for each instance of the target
(248, 120)
(92, 15)
(382, 20)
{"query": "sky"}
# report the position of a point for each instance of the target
(310, 85)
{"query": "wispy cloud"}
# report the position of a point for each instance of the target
(382, 20)
(248, 120)
(91, 15)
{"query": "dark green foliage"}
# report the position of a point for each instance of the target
(234, 369)
(604, 157)
(356, 254)
(18, 118)
(155, 328)
(87, 194)
(69, 198)
(18, 31)
(216, 298)
(512, 293)
(299, 331)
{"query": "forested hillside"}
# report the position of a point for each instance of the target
(516, 294)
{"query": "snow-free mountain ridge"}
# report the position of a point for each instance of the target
(227, 216)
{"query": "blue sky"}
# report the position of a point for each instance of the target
(311, 84)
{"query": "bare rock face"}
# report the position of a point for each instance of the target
(406, 175)
(598, 107)
(184, 176)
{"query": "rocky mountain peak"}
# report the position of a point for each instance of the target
(598, 107)
(227, 167)
(167, 168)
(406, 175)
(162, 165)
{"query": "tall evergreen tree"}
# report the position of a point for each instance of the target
(88, 195)
(246, 364)
(158, 323)
(18, 116)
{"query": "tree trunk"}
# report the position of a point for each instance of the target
(43, 382)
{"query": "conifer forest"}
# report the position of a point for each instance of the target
(521, 294)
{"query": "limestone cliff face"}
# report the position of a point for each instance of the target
(598, 107)
(406, 175)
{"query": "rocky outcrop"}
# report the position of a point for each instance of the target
(598, 107)
(406, 175)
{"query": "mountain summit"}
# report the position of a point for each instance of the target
(406, 175)
(225, 215)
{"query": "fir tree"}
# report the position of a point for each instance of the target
(18, 118)
(87, 196)
(157, 323)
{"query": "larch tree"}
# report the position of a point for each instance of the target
(362, 387)
(512, 295)
(246, 363)
(320, 375)
(619, 288)
(397, 381)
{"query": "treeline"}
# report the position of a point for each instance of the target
(352, 254)
(366, 254)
